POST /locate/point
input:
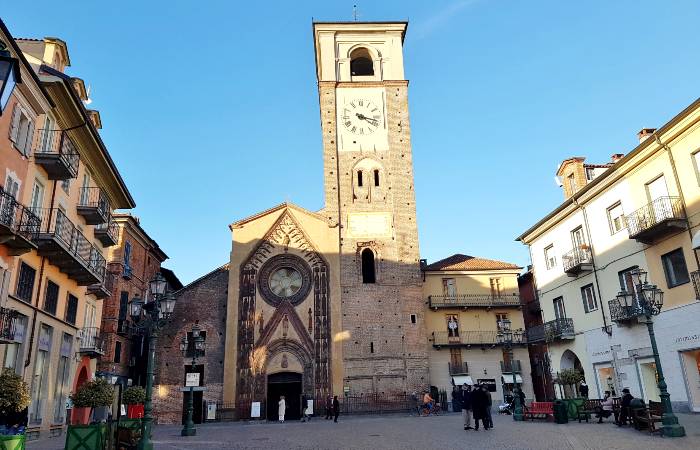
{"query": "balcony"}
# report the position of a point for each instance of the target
(469, 338)
(107, 233)
(623, 313)
(123, 327)
(18, 225)
(93, 205)
(7, 325)
(56, 153)
(659, 218)
(577, 261)
(91, 343)
(554, 330)
(104, 289)
(66, 248)
(458, 369)
(473, 300)
(512, 366)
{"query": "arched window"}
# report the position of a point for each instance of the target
(376, 177)
(359, 178)
(361, 63)
(368, 266)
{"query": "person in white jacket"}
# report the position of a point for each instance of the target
(281, 407)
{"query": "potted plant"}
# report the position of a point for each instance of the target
(93, 394)
(14, 401)
(134, 398)
(90, 395)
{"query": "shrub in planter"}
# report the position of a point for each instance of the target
(134, 397)
(93, 394)
(14, 400)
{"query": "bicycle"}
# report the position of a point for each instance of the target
(435, 409)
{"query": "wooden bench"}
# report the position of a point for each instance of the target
(617, 409)
(539, 410)
(589, 407)
(648, 417)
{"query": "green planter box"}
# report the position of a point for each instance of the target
(12, 442)
(86, 437)
(572, 406)
(129, 432)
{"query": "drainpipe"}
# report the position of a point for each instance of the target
(680, 191)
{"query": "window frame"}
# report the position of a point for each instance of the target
(665, 258)
(696, 164)
(559, 300)
(611, 219)
(587, 301)
(19, 279)
(547, 250)
(51, 308)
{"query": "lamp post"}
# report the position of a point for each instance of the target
(197, 348)
(9, 75)
(505, 337)
(647, 300)
(149, 318)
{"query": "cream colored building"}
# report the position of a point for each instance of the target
(641, 210)
(466, 298)
(58, 173)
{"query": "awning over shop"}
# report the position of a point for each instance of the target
(459, 380)
(509, 379)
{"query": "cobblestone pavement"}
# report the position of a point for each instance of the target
(402, 432)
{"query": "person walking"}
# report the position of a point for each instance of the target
(489, 403)
(305, 409)
(583, 389)
(467, 406)
(336, 408)
(329, 407)
(281, 408)
(479, 405)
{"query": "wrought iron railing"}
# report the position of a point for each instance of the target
(55, 223)
(91, 340)
(512, 366)
(575, 257)
(17, 217)
(621, 313)
(472, 338)
(458, 369)
(653, 213)
(94, 197)
(110, 228)
(695, 276)
(474, 300)
(551, 331)
(8, 319)
(57, 142)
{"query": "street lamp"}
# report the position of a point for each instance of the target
(149, 318)
(505, 337)
(650, 300)
(9, 75)
(197, 345)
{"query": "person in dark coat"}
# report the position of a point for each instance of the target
(624, 407)
(329, 407)
(456, 399)
(336, 408)
(583, 389)
(467, 406)
(479, 404)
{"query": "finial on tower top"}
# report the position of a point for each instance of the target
(355, 14)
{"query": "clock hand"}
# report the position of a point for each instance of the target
(361, 116)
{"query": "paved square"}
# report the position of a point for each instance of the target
(404, 432)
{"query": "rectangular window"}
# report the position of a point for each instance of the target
(500, 317)
(11, 186)
(495, 287)
(696, 165)
(25, 282)
(550, 258)
(62, 378)
(21, 130)
(559, 310)
(590, 303)
(65, 185)
(117, 352)
(39, 380)
(37, 200)
(127, 256)
(572, 183)
(123, 305)
(675, 268)
(616, 218)
(590, 173)
(359, 178)
(14, 351)
(51, 297)
(71, 309)
(449, 287)
(452, 325)
(657, 188)
(577, 238)
(376, 177)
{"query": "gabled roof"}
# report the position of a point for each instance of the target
(465, 262)
(279, 207)
(223, 268)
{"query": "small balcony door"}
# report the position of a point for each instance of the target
(559, 310)
(577, 238)
(449, 288)
(657, 192)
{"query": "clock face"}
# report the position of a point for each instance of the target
(361, 116)
(285, 282)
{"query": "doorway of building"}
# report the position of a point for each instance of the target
(649, 380)
(197, 413)
(606, 380)
(691, 364)
(289, 385)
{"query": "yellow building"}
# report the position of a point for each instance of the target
(638, 211)
(66, 187)
(467, 298)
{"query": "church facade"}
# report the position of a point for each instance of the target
(322, 302)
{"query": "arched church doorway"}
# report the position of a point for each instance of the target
(289, 385)
(569, 360)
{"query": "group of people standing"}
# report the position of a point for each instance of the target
(476, 404)
(332, 408)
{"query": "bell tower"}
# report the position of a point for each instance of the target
(368, 181)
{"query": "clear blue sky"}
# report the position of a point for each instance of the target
(210, 108)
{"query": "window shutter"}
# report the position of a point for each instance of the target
(30, 138)
(14, 125)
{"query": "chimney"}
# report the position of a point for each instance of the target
(644, 133)
(616, 157)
